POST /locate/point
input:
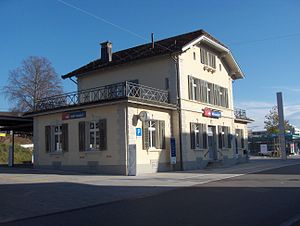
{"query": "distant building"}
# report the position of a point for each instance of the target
(160, 106)
(259, 138)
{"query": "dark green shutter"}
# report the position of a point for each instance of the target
(190, 87)
(103, 134)
(157, 135)
(197, 93)
(145, 135)
(48, 138)
(204, 136)
(229, 139)
(220, 137)
(192, 135)
(65, 137)
(82, 136)
(161, 133)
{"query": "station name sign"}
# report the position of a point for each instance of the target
(73, 115)
(211, 113)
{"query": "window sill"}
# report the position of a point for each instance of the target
(56, 153)
(90, 152)
(155, 150)
(208, 104)
(226, 149)
(200, 149)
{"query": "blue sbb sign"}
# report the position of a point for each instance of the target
(173, 150)
(73, 115)
(211, 113)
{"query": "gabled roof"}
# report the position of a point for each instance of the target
(162, 47)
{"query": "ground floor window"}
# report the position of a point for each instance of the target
(224, 137)
(154, 134)
(94, 140)
(240, 141)
(92, 135)
(198, 136)
(56, 138)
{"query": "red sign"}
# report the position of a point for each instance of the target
(73, 115)
(207, 112)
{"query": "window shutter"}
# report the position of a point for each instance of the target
(160, 134)
(197, 94)
(82, 139)
(145, 136)
(190, 87)
(48, 138)
(157, 135)
(204, 134)
(220, 136)
(65, 137)
(103, 134)
(226, 98)
(229, 139)
(192, 135)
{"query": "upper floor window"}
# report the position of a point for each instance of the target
(207, 58)
(207, 92)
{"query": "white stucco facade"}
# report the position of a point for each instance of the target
(135, 146)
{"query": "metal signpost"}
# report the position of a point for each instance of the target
(281, 125)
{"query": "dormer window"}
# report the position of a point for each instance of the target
(208, 59)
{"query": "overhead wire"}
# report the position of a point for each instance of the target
(108, 22)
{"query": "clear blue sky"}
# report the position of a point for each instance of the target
(264, 37)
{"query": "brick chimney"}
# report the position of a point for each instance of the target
(106, 51)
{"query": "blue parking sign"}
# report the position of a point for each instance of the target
(138, 132)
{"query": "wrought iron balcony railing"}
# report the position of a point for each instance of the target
(240, 113)
(104, 93)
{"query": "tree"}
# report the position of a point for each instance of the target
(272, 122)
(34, 79)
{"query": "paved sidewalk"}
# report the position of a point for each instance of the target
(29, 192)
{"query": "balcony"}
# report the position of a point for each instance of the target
(102, 94)
(240, 114)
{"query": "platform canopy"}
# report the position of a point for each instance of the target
(14, 121)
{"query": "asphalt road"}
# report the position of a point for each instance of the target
(267, 198)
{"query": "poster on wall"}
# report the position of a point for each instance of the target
(173, 150)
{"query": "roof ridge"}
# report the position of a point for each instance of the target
(165, 46)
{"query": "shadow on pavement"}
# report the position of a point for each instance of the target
(209, 205)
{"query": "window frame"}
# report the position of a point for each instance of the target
(206, 92)
(154, 135)
(99, 135)
(198, 134)
(57, 134)
(96, 136)
(56, 138)
(208, 58)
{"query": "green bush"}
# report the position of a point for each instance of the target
(21, 154)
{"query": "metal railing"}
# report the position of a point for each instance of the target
(103, 93)
(240, 113)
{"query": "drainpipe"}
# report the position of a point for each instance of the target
(178, 94)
